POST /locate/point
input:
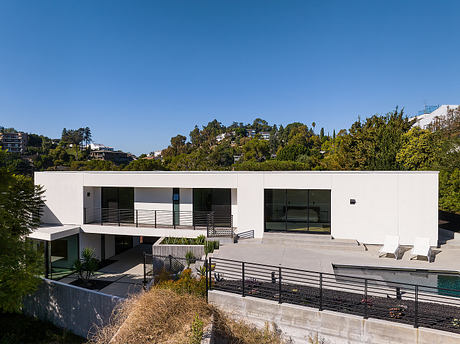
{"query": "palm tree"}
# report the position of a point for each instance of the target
(87, 137)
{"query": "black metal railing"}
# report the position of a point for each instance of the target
(246, 235)
(154, 265)
(216, 225)
(419, 305)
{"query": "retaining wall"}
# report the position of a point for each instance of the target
(178, 251)
(299, 322)
(73, 308)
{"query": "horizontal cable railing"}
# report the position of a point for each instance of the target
(218, 225)
(419, 305)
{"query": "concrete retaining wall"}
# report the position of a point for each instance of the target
(73, 308)
(300, 322)
(178, 251)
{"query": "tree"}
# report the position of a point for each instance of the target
(87, 137)
(87, 266)
(75, 137)
(144, 165)
(449, 191)
(20, 264)
(419, 151)
(291, 152)
(255, 149)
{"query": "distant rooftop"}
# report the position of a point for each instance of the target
(428, 109)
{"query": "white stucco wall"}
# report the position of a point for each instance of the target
(63, 195)
(93, 241)
(153, 198)
(401, 203)
(109, 246)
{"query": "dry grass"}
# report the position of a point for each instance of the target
(159, 316)
(163, 316)
(230, 331)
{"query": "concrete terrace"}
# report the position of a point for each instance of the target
(320, 253)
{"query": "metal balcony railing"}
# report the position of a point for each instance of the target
(216, 225)
(417, 305)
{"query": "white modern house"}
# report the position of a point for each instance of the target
(111, 211)
(431, 113)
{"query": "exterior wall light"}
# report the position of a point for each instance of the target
(352, 201)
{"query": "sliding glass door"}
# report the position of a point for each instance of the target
(298, 210)
(117, 205)
(217, 201)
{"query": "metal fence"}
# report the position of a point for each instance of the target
(419, 305)
(215, 224)
(154, 265)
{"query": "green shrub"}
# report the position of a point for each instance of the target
(210, 246)
(200, 240)
(186, 284)
(190, 258)
(87, 266)
(197, 330)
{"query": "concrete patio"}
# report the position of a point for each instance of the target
(320, 254)
(126, 273)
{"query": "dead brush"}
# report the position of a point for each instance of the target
(159, 316)
(231, 331)
(163, 316)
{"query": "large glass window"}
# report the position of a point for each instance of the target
(117, 205)
(213, 200)
(297, 210)
(63, 254)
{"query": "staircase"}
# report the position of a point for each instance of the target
(311, 241)
(449, 240)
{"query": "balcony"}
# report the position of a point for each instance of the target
(216, 225)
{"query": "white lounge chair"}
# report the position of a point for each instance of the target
(421, 248)
(390, 246)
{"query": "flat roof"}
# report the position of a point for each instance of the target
(52, 232)
(244, 172)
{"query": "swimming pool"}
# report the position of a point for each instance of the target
(431, 278)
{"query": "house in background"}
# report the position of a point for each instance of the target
(111, 211)
(117, 157)
(431, 113)
(265, 135)
(99, 146)
(251, 133)
(14, 142)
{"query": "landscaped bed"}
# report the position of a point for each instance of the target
(432, 315)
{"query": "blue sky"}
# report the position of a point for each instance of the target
(139, 72)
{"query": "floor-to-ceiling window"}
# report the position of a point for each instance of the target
(298, 210)
(217, 201)
(117, 204)
(59, 255)
(63, 254)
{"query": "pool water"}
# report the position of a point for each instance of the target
(435, 279)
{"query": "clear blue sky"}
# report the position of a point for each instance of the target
(139, 72)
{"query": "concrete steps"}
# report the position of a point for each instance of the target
(449, 240)
(312, 241)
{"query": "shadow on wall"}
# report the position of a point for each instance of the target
(76, 309)
(49, 217)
